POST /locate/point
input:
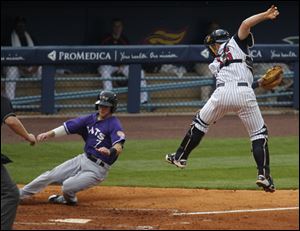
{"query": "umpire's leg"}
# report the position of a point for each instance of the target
(9, 200)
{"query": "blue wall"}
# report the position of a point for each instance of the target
(86, 22)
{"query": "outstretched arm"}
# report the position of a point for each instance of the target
(16, 125)
(57, 132)
(244, 29)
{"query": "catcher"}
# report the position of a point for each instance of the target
(233, 69)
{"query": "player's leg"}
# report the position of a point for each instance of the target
(56, 175)
(39, 72)
(106, 71)
(90, 175)
(9, 200)
(210, 113)
(12, 74)
(144, 94)
(258, 132)
(189, 142)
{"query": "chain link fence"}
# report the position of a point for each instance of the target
(164, 87)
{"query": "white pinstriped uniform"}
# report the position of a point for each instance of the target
(231, 97)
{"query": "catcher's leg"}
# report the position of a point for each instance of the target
(261, 155)
(258, 132)
(210, 113)
(189, 142)
(261, 152)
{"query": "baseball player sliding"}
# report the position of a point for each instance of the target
(104, 138)
(232, 67)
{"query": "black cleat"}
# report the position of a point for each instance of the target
(170, 158)
(58, 199)
(266, 183)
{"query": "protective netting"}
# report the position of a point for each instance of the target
(164, 87)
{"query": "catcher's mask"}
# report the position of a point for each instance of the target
(218, 36)
(108, 99)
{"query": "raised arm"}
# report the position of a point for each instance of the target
(246, 25)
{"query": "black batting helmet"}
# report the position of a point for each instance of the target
(108, 99)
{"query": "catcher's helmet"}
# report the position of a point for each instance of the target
(108, 99)
(217, 36)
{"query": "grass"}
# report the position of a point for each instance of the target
(215, 164)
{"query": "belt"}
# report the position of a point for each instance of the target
(97, 161)
(240, 84)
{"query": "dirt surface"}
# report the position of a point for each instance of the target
(130, 208)
(155, 208)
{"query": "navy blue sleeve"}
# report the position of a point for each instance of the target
(244, 44)
(6, 109)
(116, 132)
(77, 125)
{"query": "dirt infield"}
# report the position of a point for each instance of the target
(152, 208)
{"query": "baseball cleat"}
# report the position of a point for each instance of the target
(266, 183)
(170, 158)
(59, 199)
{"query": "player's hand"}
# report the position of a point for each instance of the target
(31, 139)
(272, 12)
(42, 137)
(103, 150)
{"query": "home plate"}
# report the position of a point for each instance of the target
(72, 220)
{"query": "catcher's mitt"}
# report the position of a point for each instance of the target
(272, 78)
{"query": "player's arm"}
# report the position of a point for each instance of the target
(246, 25)
(256, 83)
(114, 150)
(57, 132)
(118, 147)
(16, 125)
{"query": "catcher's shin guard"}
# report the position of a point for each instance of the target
(261, 155)
(189, 142)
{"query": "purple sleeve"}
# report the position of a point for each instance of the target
(116, 132)
(77, 125)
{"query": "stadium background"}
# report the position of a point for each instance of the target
(86, 23)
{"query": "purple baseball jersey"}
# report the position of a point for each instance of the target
(97, 133)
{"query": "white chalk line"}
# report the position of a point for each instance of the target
(235, 211)
(71, 220)
(35, 223)
(139, 209)
(84, 221)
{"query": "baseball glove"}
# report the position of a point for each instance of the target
(272, 78)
